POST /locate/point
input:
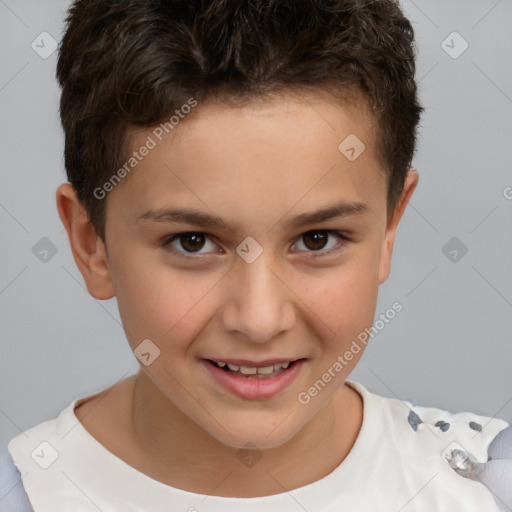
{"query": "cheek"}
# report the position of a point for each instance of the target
(345, 297)
(164, 304)
(159, 302)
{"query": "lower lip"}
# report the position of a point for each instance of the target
(252, 387)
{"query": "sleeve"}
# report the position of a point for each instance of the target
(496, 474)
(13, 497)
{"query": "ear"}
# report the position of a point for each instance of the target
(87, 247)
(411, 180)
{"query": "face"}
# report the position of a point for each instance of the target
(264, 283)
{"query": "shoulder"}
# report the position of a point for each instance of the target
(497, 471)
(13, 497)
(427, 428)
(475, 447)
(423, 429)
(445, 431)
(31, 463)
(19, 473)
(501, 447)
(467, 431)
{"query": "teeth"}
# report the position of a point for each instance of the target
(266, 370)
(247, 370)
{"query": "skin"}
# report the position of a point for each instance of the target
(255, 167)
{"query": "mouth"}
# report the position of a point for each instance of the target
(254, 380)
(249, 369)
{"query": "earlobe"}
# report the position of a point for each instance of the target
(411, 181)
(87, 247)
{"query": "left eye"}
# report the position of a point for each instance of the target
(316, 242)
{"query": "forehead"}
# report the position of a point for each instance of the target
(287, 148)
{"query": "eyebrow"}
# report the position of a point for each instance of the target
(207, 220)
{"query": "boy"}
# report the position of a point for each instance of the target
(274, 139)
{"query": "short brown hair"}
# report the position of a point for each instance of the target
(129, 63)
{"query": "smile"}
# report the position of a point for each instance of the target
(257, 381)
(267, 371)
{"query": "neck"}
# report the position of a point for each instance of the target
(176, 451)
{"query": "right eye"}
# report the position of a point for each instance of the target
(191, 241)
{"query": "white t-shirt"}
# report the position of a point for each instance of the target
(396, 464)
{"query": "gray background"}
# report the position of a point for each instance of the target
(450, 347)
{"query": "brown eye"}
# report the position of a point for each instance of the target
(315, 240)
(188, 244)
(192, 241)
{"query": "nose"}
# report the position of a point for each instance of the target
(259, 301)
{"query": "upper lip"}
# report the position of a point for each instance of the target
(253, 364)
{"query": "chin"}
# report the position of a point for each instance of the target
(255, 434)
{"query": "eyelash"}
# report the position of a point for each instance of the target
(314, 254)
